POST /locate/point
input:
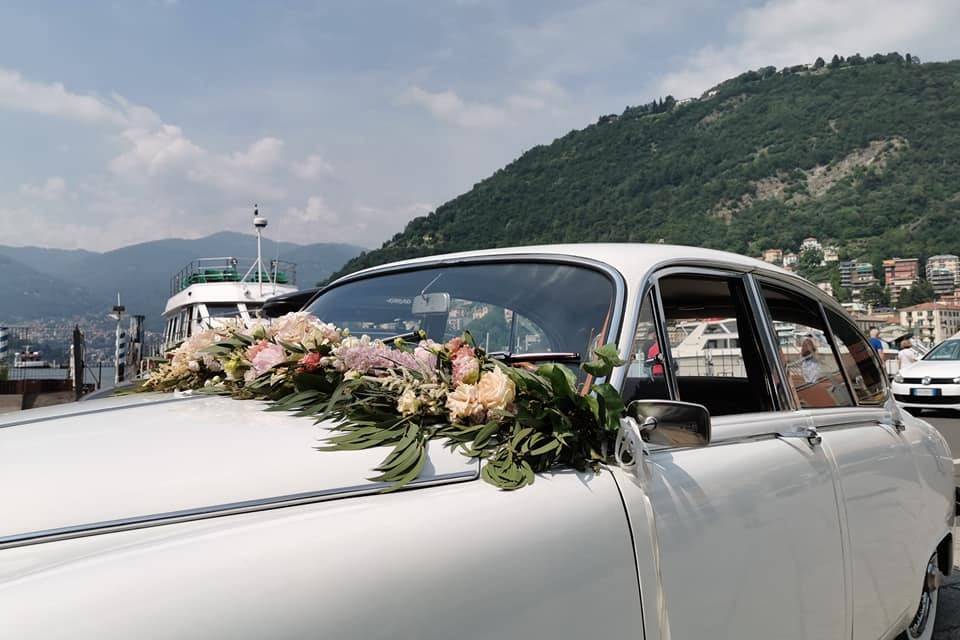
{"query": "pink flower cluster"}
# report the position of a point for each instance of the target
(366, 356)
(264, 355)
(466, 366)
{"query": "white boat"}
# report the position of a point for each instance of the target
(30, 360)
(209, 291)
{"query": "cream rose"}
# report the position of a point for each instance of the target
(464, 404)
(496, 391)
(408, 403)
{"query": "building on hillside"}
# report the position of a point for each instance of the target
(810, 244)
(790, 260)
(826, 287)
(773, 256)
(931, 322)
(854, 307)
(866, 320)
(846, 270)
(860, 277)
(947, 261)
(900, 273)
(943, 281)
(831, 254)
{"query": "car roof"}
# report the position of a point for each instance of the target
(632, 260)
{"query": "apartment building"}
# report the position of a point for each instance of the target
(900, 273)
(931, 322)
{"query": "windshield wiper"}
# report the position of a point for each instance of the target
(546, 356)
(410, 335)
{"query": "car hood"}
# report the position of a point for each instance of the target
(932, 368)
(143, 457)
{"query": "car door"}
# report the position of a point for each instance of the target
(881, 491)
(742, 537)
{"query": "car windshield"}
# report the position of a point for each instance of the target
(508, 307)
(949, 350)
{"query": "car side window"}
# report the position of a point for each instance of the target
(859, 360)
(804, 347)
(713, 348)
(645, 370)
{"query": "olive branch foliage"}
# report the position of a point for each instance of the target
(550, 424)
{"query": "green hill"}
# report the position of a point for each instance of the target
(861, 152)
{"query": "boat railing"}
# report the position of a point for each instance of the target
(230, 269)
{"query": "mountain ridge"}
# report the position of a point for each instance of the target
(140, 272)
(862, 152)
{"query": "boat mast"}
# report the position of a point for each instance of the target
(260, 223)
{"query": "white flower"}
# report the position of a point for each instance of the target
(408, 403)
(496, 391)
(464, 404)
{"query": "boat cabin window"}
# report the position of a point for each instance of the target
(812, 367)
(222, 310)
(713, 350)
(515, 308)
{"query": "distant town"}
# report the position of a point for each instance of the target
(899, 296)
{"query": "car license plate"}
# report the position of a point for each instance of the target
(925, 392)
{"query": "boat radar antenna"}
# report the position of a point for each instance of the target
(260, 223)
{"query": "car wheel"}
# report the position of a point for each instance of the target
(921, 627)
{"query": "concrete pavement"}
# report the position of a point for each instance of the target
(948, 614)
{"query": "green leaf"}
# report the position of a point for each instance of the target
(607, 358)
(562, 380)
(488, 430)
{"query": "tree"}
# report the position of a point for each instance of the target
(809, 262)
(835, 61)
(876, 295)
(920, 292)
(819, 64)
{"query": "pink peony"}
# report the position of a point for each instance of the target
(265, 356)
(466, 368)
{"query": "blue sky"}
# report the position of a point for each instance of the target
(131, 120)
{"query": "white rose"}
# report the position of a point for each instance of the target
(496, 391)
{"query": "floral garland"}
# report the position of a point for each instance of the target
(519, 419)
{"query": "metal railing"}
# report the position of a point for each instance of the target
(230, 269)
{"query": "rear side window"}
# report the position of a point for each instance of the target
(804, 347)
(713, 349)
(859, 360)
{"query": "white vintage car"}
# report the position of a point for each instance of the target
(767, 488)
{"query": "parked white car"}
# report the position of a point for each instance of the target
(932, 382)
(783, 495)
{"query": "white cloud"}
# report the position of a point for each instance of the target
(262, 155)
(154, 152)
(788, 32)
(52, 189)
(313, 166)
(316, 210)
(19, 94)
(448, 106)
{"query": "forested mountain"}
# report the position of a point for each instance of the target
(861, 152)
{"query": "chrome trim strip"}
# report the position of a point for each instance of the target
(74, 414)
(216, 511)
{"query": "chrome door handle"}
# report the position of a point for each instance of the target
(810, 433)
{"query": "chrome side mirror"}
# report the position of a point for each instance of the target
(671, 423)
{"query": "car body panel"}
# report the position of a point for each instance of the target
(456, 561)
(110, 461)
(734, 510)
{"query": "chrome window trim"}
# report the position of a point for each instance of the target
(216, 511)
